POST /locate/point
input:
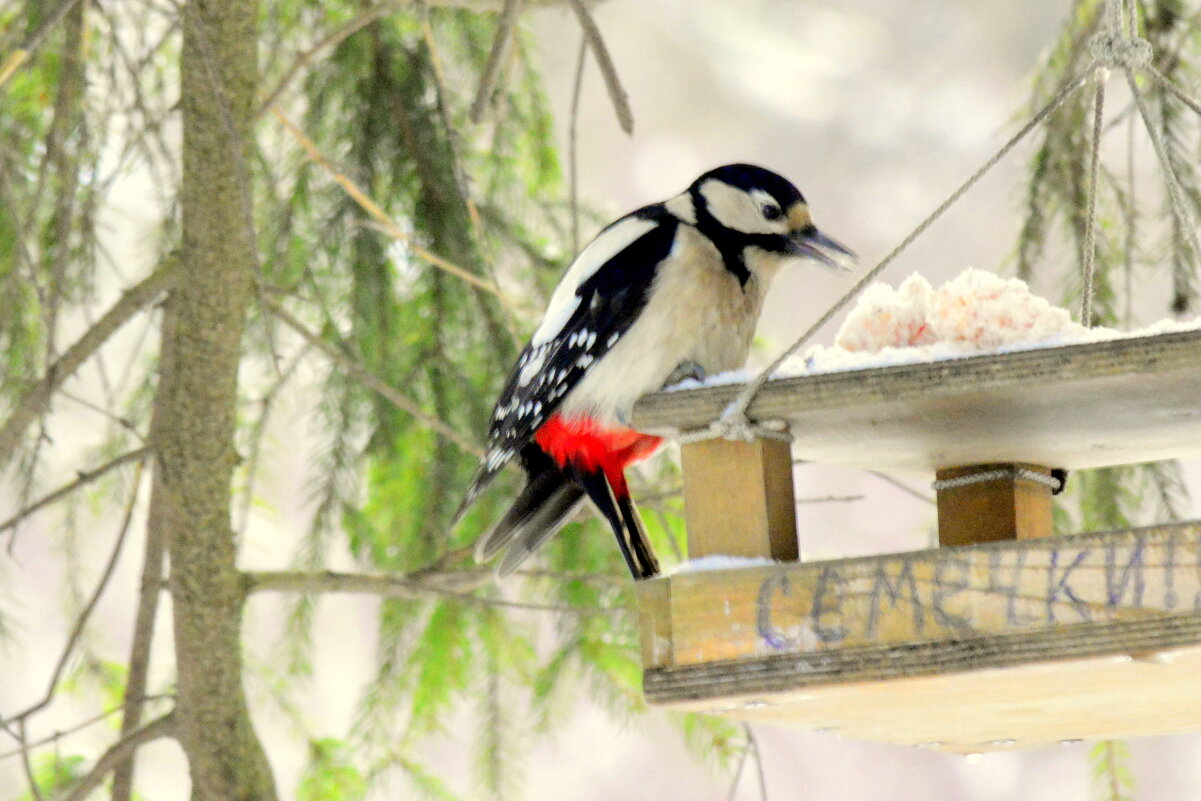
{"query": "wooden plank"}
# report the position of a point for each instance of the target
(738, 499)
(972, 632)
(1105, 403)
(1023, 706)
(1008, 508)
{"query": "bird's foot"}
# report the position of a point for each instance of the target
(685, 369)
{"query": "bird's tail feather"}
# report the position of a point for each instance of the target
(636, 539)
(545, 502)
(540, 526)
(623, 518)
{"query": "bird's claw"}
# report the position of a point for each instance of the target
(685, 369)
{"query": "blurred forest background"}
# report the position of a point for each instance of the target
(361, 231)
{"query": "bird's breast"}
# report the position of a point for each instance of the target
(697, 311)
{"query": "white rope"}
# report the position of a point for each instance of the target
(1175, 191)
(1090, 231)
(734, 423)
(1019, 473)
(1110, 48)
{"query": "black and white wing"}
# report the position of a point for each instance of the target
(596, 302)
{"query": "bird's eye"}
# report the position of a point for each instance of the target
(771, 211)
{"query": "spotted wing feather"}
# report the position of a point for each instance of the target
(610, 299)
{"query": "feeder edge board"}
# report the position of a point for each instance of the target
(1121, 401)
(1019, 643)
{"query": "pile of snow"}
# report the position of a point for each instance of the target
(978, 310)
(704, 564)
(973, 313)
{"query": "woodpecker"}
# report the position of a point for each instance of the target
(669, 291)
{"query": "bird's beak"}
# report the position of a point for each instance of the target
(808, 242)
(813, 244)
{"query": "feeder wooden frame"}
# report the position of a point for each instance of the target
(1010, 640)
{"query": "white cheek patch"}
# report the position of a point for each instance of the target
(740, 211)
(565, 301)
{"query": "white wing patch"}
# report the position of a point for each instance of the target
(565, 301)
(533, 365)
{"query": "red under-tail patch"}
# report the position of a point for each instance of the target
(589, 445)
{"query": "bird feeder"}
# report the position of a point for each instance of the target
(1003, 637)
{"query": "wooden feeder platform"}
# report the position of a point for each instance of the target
(1009, 639)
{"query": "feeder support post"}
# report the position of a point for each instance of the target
(738, 499)
(1007, 504)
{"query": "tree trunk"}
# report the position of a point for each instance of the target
(197, 396)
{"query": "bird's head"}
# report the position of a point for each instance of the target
(759, 219)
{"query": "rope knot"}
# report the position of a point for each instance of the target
(736, 426)
(1112, 50)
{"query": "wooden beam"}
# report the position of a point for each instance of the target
(1119, 402)
(738, 499)
(1006, 505)
(1020, 642)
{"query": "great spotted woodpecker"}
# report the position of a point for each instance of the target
(671, 290)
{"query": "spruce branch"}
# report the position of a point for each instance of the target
(368, 379)
(329, 40)
(36, 398)
(368, 205)
(34, 40)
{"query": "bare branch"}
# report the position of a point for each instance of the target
(371, 207)
(573, 144)
(82, 479)
(139, 649)
(86, 613)
(830, 499)
(754, 743)
(118, 752)
(357, 371)
(161, 519)
(921, 496)
(413, 586)
(358, 23)
(83, 724)
(746, 750)
(617, 94)
(34, 399)
(496, 57)
(27, 763)
(258, 431)
(497, 5)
